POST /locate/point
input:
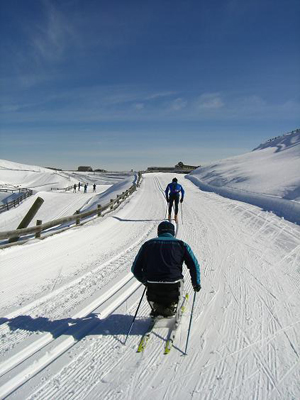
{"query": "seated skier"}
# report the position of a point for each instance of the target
(158, 265)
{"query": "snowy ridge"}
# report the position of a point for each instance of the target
(282, 142)
(267, 177)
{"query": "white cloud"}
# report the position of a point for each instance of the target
(178, 104)
(211, 101)
(139, 106)
(51, 36)
(252, 101)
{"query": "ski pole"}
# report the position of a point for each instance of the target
(188, 335)
(167, 206)
(135, 315)
(182, 213)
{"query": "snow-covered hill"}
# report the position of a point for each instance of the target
(57, 203)
(267, 177)
(33, 177)
(273, 168)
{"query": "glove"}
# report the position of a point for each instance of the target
(197, 288)
(181, 200)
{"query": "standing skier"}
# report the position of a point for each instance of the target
(173, 191)
(158, 265)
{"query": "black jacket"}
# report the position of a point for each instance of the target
(161, 259)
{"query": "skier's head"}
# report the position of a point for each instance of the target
(166, 227)
(174, 180)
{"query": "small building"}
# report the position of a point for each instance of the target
(160, 169)
(183, 167)
(180, 167)
(83, 168)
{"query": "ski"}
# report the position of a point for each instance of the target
(174, 329)
(161, 322)
(145, 338)
(157, 322)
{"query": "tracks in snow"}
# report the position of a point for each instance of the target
(74, 310)
(51, 345)
(243, 340)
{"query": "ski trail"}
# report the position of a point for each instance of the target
(244, 339)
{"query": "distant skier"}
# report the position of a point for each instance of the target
(74, 188)
(173, 191)
(94, 187)
(85, 187)
(79, 184)
(158, 265)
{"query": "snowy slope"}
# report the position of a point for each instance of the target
(57, 203)
(273, 168)
(32, 177)
(14, 175)
(65, 317)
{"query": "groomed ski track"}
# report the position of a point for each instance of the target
(67, 303)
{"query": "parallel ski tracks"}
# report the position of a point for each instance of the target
(80, 294)
(238, 316)
(126, 287)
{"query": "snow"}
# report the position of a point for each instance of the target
(271, 169)
(58, 202)
(267, 177)
(67, 301)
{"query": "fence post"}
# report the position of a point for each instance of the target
(77, 219)
(28, 217)
(111, 204)
(99, 210)
(38, 233)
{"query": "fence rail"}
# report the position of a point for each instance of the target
(65, 189)
(77, 217)
(24, 193)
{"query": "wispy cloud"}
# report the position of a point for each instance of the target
(51, 36)
(209, 101)
(178, 104)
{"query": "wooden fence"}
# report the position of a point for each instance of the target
(65, 189)
(24, 193)
(76, 218)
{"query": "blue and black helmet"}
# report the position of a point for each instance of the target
(166, 227)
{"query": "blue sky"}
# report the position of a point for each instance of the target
(124, 84)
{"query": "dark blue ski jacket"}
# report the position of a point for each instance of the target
(174, 189)
(161, 259)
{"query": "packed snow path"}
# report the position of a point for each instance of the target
(67, 303)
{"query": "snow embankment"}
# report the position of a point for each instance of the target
(111, 193)
(267, 177)
(289, 210)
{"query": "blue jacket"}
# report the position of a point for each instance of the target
(161, 259)
(174, 189)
